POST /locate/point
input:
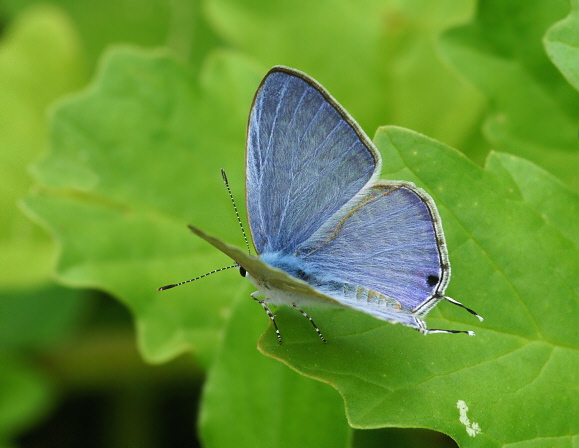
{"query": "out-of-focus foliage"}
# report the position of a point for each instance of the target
(533, 108)
(42, 41)
(115, 167)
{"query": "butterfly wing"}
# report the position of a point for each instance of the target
(390, 242)
(305, 159)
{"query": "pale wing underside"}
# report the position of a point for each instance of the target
(278, 279)
(384, 312)
(390, 242)
(305, 158)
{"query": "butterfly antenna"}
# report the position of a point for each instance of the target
(235, 208)
(163, 288)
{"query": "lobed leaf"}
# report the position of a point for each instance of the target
(252, 400)
(513, 262)
(133, 160)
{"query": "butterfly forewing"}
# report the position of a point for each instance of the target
(304, 147)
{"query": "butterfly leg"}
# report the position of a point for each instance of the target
(270, 314)
(311, 320)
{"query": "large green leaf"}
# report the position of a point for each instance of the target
(379, 58)
(562, 45)
(252, 400)
(41, 41)
(134, 160)
(513, 238)
(534, 110)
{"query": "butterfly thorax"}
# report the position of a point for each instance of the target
(296, 268)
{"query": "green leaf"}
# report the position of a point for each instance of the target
(25, 397)
(41, 41)
(378, 58)
(515, 262)
(133, 160)
(533, 110)
(40, 317)
(401, 438)
(252, 400)
(562, 45)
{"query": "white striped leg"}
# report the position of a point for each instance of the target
(313, 323)
(270, 314)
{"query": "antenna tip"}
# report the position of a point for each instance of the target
(470, 333)
(224, 175)
(163, 288)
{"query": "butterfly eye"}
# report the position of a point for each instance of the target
(242, 271)
(432, 280)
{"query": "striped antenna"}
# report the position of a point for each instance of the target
(172, 285)
(163, 288)
(235, 208)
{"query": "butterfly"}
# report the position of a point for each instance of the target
(326, 230)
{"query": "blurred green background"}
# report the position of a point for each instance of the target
(75, 328)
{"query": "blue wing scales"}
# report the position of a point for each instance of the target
(305, 159)
(390, 242)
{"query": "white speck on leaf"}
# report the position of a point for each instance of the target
(472, 428)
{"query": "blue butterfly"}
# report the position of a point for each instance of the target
(326, 230)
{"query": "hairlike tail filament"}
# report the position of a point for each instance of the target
(457, 303)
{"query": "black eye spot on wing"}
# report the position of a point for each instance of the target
(242, 271)
(432, 280)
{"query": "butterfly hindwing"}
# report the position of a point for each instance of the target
(302, 145)
(390, 242)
